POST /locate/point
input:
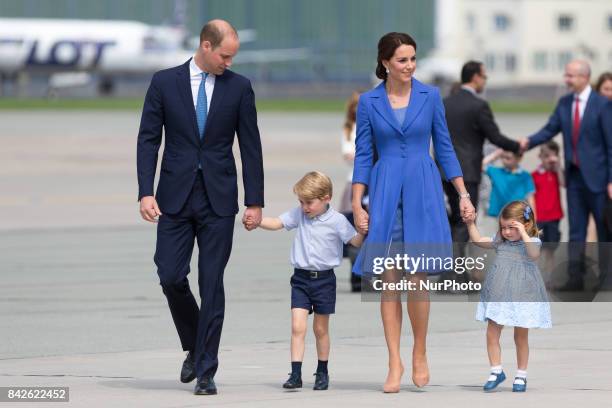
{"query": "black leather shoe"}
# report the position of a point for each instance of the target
(321, 381)
(294, 381)
(188, 370)
(205, 386)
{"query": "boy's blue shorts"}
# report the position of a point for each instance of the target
(314, 291)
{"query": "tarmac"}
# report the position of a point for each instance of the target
(81, 305)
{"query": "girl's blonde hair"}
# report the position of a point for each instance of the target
(522, 212)
(313, 185)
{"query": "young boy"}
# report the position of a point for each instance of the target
(317, 249)
(548, 177)
(509, 182)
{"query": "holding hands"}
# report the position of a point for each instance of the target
(524, 142)
(251, 218)
(361, 219)
(468, 212)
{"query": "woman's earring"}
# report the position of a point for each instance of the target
(386, 70)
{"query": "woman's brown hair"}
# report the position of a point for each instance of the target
(606, 76)
(387, 45)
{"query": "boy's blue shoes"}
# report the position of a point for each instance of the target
(493, 383)
(519, 387)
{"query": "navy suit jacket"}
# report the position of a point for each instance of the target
(594, 142)
(169, 105)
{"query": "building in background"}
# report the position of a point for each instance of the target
(525, 42)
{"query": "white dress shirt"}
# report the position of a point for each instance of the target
(469, 89)
(584, 97)
(195, 77)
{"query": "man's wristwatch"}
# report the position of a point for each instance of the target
(464, 195)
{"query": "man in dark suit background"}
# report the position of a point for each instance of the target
(470, 123)
(200, 105)
(585, 120)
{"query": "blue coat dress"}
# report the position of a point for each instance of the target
(404, 172)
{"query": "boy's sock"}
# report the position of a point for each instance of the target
(322, 367)
(521, 377)
(495, 370)
(296, 368)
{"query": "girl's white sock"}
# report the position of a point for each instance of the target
(495, 370)
(521, 377)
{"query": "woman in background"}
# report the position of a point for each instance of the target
(348, 149)
(604, 85)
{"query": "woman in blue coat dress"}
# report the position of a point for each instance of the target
(397, 120)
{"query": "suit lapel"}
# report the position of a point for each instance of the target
(183, 84)
(381, 104)
(217, 98)
(418, 96)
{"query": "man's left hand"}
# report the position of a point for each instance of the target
(251, 218)
(610, 191)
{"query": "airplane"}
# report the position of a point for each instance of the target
(72, 52)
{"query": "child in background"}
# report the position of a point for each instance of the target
(548, 177)
(317, 249)
(509, 182)
(513, 293)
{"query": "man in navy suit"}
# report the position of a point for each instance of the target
(585, 120)
(200, 105)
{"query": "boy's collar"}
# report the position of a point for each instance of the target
(516, 170)
(325, 216)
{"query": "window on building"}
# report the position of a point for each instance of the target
(510, 62)
(540, 61)
(564, 58)
(490, 61)
(610, 22)
(471, 22)
(502, 22)
(565, 22)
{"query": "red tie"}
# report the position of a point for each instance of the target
(576, 130)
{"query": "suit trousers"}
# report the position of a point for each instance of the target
(199, 329)
(581, 202)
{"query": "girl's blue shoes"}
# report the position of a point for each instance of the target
(494, 382)
(518, 387)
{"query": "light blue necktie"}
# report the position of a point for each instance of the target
(202, 105)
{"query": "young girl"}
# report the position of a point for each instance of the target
(513, 293)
